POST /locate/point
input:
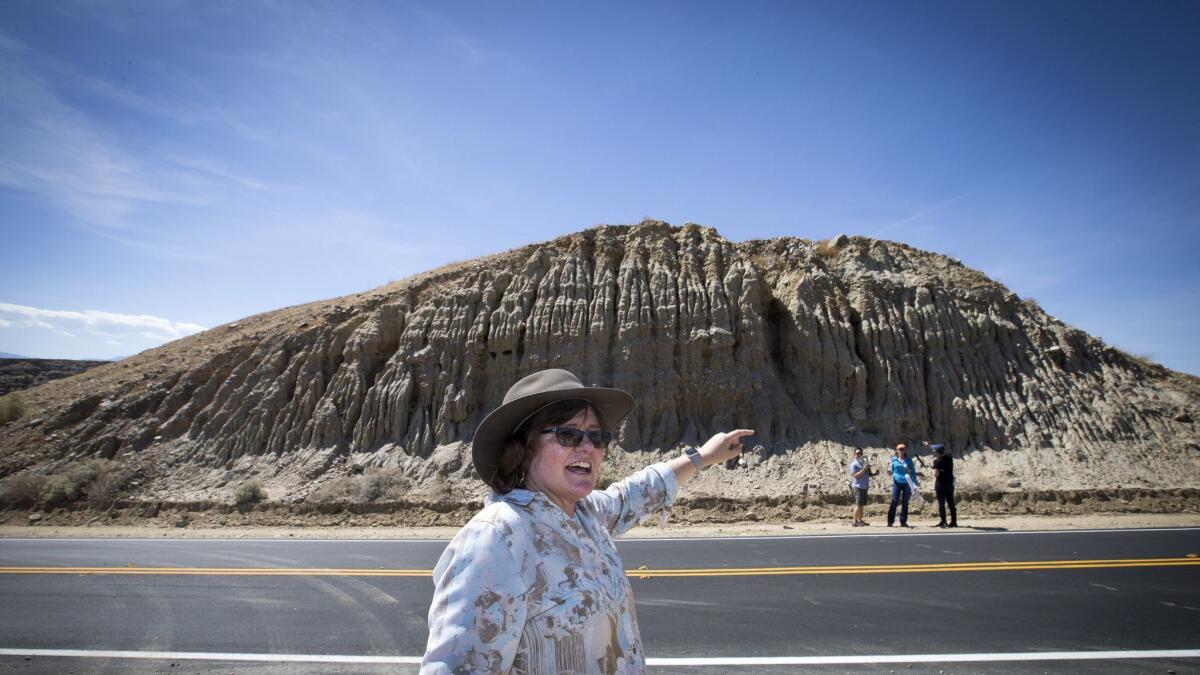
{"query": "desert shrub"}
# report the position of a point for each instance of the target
(379, 483)
(22, 491)
(96, 479)
(827, 248)
(106, 486)
(11, 408)
(374, 485)
(93, 480)
(1146, 360)
(249, 492)
(65, 487)
(338, 490)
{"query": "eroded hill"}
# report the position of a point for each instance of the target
(818, 346)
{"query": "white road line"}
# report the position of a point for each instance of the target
(902, 533)
(928, 658)
(712, 661)
(227, 539)
(211, 656)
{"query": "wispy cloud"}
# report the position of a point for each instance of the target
(58, 151)
(896, 225)
(10, 44)
(470, 49)
(1034, 273)
(111, 325)
(52, 151)
(211, 169)
(356, 230)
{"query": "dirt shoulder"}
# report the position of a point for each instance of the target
(841, 526)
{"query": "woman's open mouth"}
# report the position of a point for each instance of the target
(580, 468)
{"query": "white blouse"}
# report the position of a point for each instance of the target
(525, 588)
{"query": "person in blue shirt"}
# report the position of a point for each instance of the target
(902, 469)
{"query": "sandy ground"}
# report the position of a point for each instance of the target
(981, 524)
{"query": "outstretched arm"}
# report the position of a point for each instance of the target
(630, 501)
(719, 448)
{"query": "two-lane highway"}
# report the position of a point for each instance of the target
(988, 601)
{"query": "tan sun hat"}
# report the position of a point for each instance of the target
(530, 394)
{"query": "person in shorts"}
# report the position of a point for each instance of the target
(860, 481)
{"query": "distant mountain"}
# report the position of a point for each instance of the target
(22, 372)
(6, 355)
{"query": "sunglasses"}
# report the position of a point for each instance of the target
(569, 437)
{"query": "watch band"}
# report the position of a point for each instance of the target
(694, 455)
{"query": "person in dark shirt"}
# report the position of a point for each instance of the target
(943, 483)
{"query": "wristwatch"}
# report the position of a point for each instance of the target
(694, 455)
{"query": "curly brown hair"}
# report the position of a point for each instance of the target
(519, 447)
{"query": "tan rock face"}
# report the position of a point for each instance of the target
(819, 347)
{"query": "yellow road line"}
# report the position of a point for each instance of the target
(910, 569)
(222, 571)
(992, 566)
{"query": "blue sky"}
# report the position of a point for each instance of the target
(171, 166)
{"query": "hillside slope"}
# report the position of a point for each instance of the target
(817, 346)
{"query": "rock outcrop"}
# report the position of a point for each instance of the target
(816, 346)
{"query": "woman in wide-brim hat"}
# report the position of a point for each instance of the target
(533, 583)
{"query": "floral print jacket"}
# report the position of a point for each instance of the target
(525, 588)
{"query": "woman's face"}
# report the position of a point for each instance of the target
(563, 474)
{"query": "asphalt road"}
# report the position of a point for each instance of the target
(926, 597)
